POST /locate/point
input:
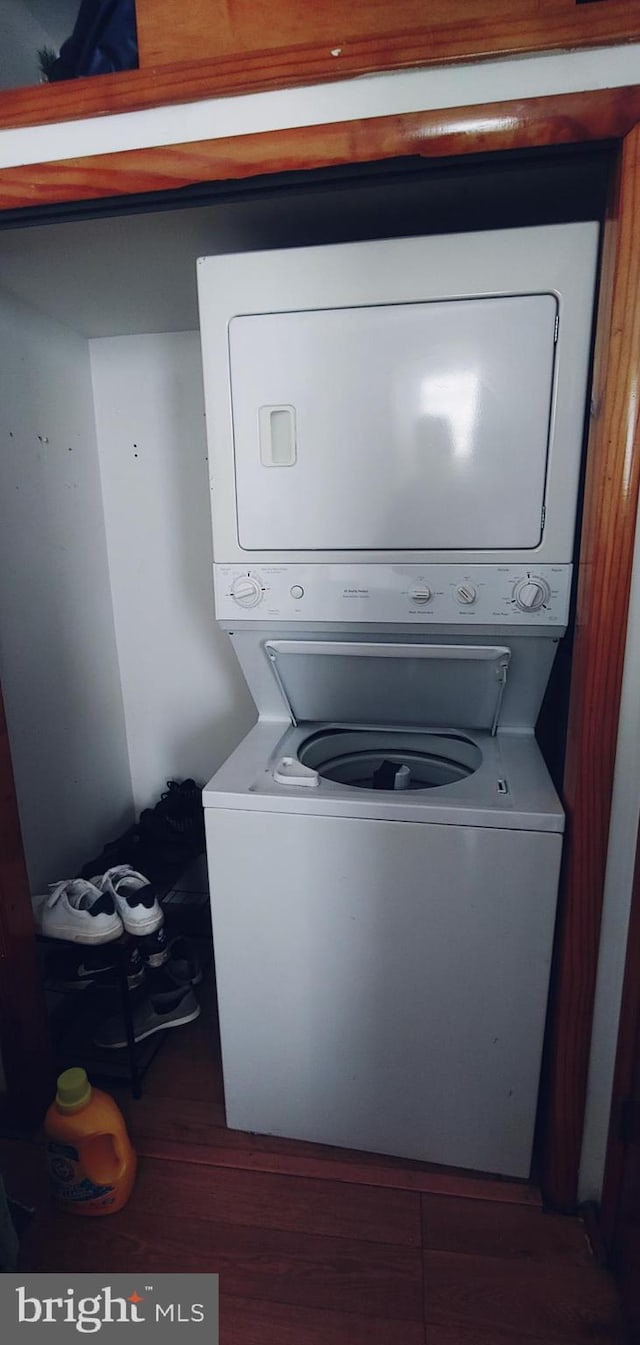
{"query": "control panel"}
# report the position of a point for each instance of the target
(513, 595)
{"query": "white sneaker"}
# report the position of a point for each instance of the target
(134, 897)
(79, 912)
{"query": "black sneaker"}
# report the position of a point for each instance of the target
(77, 969)
(154, 949)
(170, 964)
(178, 819)
(153, 1013)
(183, 964)
(164, 839)
(181, 805)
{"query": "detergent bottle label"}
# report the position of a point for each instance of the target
(69, 1181)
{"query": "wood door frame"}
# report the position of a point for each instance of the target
(612, 472)
(24, 1027)
(531, 123)
(625, 1071)
(604, 579)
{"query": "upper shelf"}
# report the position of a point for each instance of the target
(191, 52)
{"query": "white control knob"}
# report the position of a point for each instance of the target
(420, 594)
(297, 591)
(531, 594)
(246, 590)
(466, 593)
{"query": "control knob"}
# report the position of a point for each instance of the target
(246, 590)
(531, 594)
(466, 593)
(420, 594)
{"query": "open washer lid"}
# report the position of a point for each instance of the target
(368, 683)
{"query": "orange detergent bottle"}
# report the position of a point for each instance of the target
(91, 1162)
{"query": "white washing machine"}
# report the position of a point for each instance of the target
(395, 434)
(384, 849)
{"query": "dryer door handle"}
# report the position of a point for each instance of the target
(277, 431)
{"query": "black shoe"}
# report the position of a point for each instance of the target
(78, 968)
(154, 1012)
(163, 841)
(184, 964)
(179, 817)
(153, 949)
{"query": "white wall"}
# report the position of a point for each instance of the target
(28, 25)
(57, 16)
(58, 665)
(22, 36)
(186, 704)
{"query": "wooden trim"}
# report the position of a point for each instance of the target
(24, 1028)
(627, 1058)
(606, 114)
(158, 84)
(192, 1130)
(606, 557)
(372, 35)
(255, 1159)
(589, 1212)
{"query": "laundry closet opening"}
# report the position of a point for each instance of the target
(114, 674)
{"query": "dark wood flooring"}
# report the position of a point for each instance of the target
(318, 1246)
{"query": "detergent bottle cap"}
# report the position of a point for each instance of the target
(74, 1090)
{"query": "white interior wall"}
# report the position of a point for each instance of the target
(28, 25)
(22, 36)
(58, 664)
(186, 704)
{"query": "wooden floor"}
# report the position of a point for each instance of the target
(317, 1246)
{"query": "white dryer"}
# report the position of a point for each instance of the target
(402, 400)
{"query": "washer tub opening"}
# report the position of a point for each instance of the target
(390, 759)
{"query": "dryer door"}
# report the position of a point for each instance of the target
(400, 427)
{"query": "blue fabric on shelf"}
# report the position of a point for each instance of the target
(104, 39)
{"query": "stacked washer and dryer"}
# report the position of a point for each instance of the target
(395, 441)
